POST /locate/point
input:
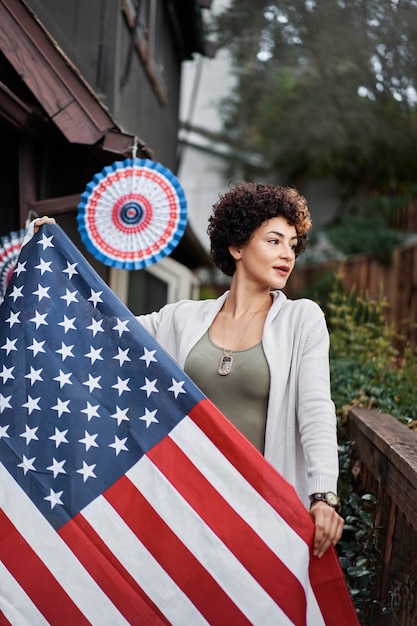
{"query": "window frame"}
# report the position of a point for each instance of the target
(181, 282)
(145, 42)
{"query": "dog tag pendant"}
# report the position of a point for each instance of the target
(225, 365)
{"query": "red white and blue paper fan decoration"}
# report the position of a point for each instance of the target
(10, 246)
(132, 214)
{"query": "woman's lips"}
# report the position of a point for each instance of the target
(283, 270)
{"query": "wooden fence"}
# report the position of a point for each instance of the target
(398, 283)
(387, 452)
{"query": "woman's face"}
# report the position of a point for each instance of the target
(268, 258)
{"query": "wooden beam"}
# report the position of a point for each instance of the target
(27, 187)
(56, 206)
(16, 111)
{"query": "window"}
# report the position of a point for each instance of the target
(148, 290)
(146, 17)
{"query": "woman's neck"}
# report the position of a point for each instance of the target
(243, 300)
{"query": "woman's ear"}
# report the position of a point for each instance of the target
(236, 252)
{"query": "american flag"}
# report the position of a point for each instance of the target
(125, 496)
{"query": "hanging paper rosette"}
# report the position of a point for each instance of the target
(10, 246)
(132, 214)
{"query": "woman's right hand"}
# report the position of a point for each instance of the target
(42, 220)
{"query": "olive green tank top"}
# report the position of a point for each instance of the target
(242, 395)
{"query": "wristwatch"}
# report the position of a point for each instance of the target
(328, 497)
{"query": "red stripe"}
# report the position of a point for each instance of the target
(173, 556)
(254, 468)
(277, 580)
(3, 620)
(326, 574)
(34, 578)
(109, 573)
(329, 584)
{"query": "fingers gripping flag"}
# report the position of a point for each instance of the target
(125, 496)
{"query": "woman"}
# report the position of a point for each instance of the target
(260, 357)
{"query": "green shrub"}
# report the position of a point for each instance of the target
(367, 368)
(369, 371)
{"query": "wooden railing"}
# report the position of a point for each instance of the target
(387, 453)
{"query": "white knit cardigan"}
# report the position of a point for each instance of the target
(300, 440)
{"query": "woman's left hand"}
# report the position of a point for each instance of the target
(328, 527)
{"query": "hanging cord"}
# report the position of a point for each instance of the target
(134, 153)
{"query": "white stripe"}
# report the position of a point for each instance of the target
(16, 604)
(56, 555)
(210, 551)
(141, 565)
(249, 504)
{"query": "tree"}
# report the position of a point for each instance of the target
(325, 88)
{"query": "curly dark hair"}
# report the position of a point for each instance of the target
(243, 208)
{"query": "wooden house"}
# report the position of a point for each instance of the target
(79, 83)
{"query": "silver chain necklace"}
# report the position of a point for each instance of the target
(226, 361)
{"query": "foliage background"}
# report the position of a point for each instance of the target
(325, 88)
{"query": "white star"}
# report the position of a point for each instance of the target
(9, 345)
(45, 242)
(89, 441)
(39, 319)
(177, 387)
(59, 437)
(13, 318)
(92, 383)
(149, 417)
(37, 346)
(27, 464)
(70, 296)
(118, 445)
(4, 402)
(122, 356)
(121, 385)
(44, 266)
(3, 431)
(120, 415)
(7, 373)
(68, 324)
(41, 292)
(94, 354)
(70, 269)
(54, 497)
(16, 293)
(20, 267)
(32, 404)
(91, 411)
(34, 375)
(150, 387)
(95, 297)
(95, 326)
(65, 351)
(63, 379)
(61, 407)
(148, 356)
(29, 434)
(57, 467)
(121, 327)
(87, 471)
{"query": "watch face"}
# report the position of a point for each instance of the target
(332, 499)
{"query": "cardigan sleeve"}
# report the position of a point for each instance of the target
(316, 411)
